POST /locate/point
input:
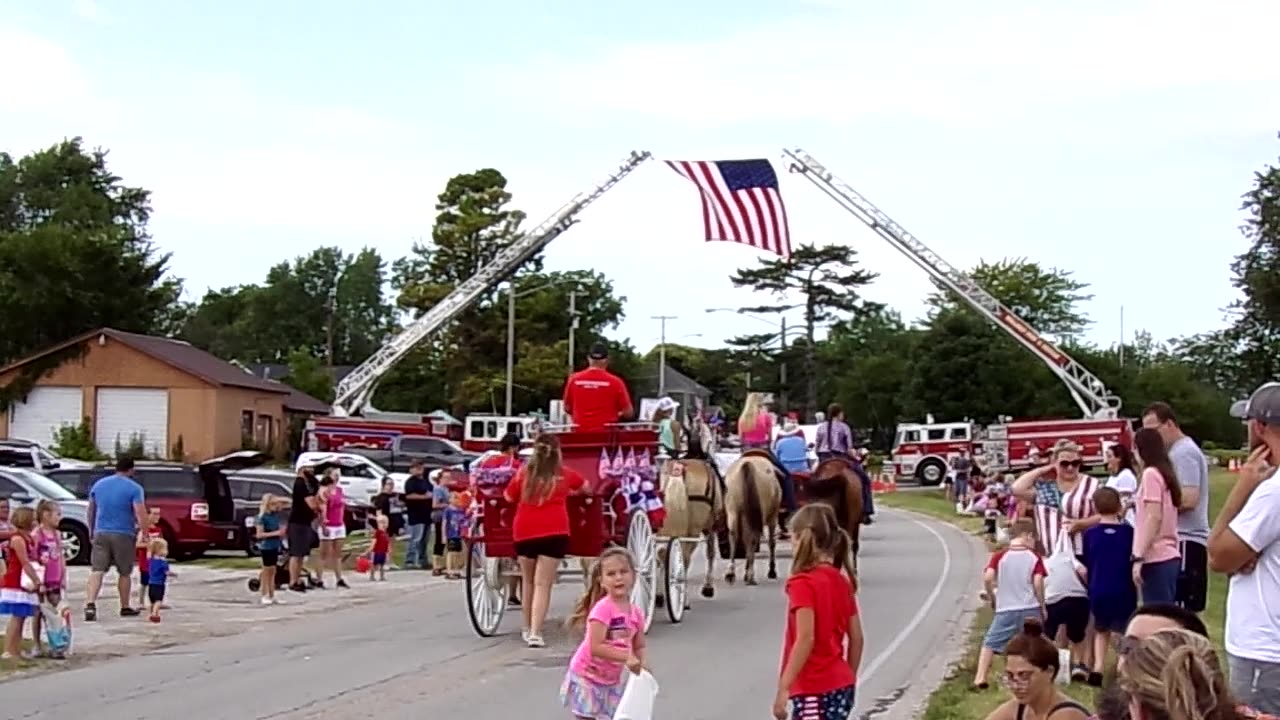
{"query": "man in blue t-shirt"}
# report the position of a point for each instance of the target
(116, 511)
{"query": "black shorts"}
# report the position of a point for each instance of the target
(270, 558)
(144, 578)
(300, 538)
(1193, 576)
(552, 546)
(1071, 613)
(155, 593)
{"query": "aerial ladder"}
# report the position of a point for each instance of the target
(354, 391)
(1089, 392)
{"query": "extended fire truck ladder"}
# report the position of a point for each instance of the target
(353, 393)
(1090, 394)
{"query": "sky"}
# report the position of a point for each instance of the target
(1111, 139)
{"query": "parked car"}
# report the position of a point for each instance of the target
(27, 454)
(25, 487)
(404, 450)
(361, 478)
(248, 487)
(197, 512)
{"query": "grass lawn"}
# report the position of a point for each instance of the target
(954, 700)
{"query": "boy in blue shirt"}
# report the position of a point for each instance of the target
(158, 573)
(1112, 596)
(791, 449)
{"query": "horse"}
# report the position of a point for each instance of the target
(752, 502)
(833, 482)
(692, 498)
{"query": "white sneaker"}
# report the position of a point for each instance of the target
(266, 601)
(524, 635)
(535, 641)
(277, 601)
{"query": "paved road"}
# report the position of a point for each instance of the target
(416, 653)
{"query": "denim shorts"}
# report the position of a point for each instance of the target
(1160, 581)
(1005, 625)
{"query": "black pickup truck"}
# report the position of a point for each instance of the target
(404, 450)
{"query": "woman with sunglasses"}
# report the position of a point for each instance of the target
(1059, 493)
(1031, 662)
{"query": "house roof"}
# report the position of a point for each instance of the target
(676, 382)
(179, 354)
(301, 402)
(279, 371)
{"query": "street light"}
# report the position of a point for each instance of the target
(782, 346)
(512, 296)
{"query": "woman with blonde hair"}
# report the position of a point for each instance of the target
(755, 424)
(1175, 675)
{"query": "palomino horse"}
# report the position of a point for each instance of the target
(834, 483)
(752, 503)
(692, 498)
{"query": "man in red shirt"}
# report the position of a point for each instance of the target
(595, 397)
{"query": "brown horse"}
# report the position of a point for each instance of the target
(835, 483)
(752, 501)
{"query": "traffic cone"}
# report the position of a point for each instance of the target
(877, 486)
(1234, 465)
(890, 483)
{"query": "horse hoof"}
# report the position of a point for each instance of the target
(659, 601)
(752, 581)
(729, 579)
(688, 606)
(773, 574)
(708, 592)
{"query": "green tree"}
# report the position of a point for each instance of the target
(866, 367)
(1047, 298)
(75, 255)
(1255, 330)
(827, 280)
(309, 374)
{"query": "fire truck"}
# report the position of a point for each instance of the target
(378, 429)
(923, 451)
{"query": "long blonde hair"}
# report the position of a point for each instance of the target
(264, 507)
(595, 585)
(1175, 674)
(750, 411)
(543, 469)
(817, 533)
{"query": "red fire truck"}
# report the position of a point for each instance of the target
(377, 429)
(923, 451)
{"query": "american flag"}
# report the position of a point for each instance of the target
(740, 202)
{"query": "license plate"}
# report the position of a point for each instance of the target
(248, 522)
(231, 535)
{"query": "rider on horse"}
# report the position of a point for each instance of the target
(835, 440)
(755, 428)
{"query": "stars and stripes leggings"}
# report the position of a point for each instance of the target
(834, 705)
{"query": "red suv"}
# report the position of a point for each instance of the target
(197, 511)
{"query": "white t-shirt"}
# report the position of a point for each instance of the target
(1253, 600)
(1125, 483)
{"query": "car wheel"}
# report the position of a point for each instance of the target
(75, 543)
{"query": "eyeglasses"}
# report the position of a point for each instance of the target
(1018, 678)
(1064, 464)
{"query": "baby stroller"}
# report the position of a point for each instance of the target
(282, 569)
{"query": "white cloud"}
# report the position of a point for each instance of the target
(90, 11)
(834, 67)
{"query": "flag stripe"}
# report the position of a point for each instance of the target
(740, 202)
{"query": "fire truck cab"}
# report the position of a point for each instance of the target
(923, 451)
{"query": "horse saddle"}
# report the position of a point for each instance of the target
(758, 452)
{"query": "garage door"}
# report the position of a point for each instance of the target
(46, 410)
(126, 413)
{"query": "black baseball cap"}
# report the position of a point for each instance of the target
(1263, 405)
(599, 351)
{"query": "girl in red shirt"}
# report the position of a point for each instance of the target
(540, 529)
(822, 648)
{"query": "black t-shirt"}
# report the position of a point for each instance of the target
(301, 513)
(418, 511)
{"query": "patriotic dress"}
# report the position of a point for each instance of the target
(1077, 504)
(14, 600)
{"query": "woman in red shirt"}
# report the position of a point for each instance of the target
(540, 529)
(822, 648)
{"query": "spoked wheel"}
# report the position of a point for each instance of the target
(675, 581)
(644, 546)
(486, 590)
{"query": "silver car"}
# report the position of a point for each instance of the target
(24, 487)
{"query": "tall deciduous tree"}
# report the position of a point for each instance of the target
(1255, 332)
(75, 252)
(1047, 298)
(826, 281)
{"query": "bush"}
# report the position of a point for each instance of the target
(135, 448)
(76, 442)
(1223, 458)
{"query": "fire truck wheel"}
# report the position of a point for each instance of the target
(931, 472)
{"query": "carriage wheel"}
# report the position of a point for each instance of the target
(486, 590)
(644, 546)
(675, 581)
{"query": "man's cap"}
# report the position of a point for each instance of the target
(599, 351)
(510, 440)
(1263, 405)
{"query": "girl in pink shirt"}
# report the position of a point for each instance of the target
(1156, 560)
(614, 639)
(755, 424)
(333, 526)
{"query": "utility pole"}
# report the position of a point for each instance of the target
(511, 342)
(782, 369)
(573, 326)
(1122, 336)
(662, 352)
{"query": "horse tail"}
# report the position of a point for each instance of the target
(753, 513)
(675, 499)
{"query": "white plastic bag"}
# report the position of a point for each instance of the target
(637, 697)
(1062, 580)
(1064, 667)
(25, 580)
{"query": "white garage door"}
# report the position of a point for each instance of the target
(46, 410)
(126, 413)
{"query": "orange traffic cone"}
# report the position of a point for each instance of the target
(877, 486)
